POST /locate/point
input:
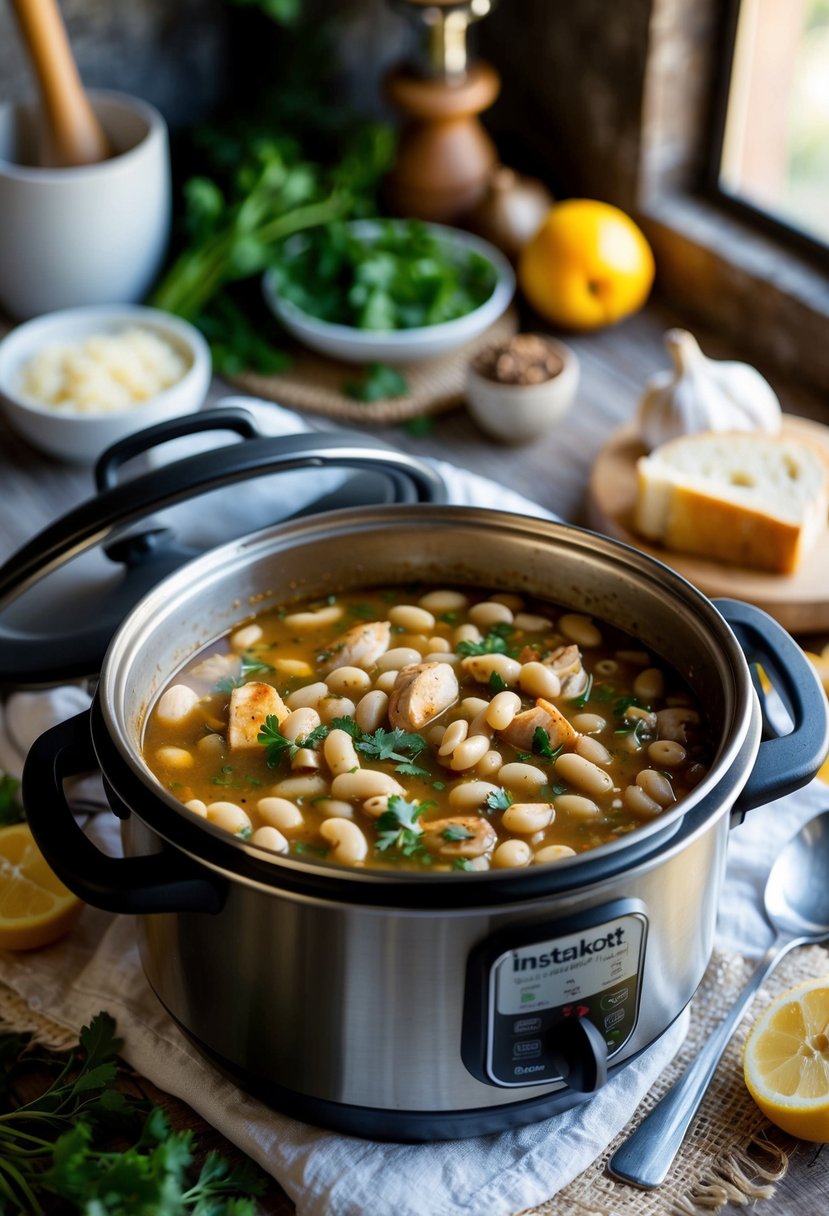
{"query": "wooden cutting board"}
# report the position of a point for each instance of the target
(799, 601)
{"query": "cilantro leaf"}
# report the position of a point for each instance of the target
(541, 744)
(456, 831)
(498, 800)
(277, 746)
(399, 827)
(389, 744)
(496, 682)
(461, 863)
(494, 642)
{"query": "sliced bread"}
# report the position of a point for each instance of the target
(745, 498)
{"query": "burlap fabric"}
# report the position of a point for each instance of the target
(315, 383)
(726, 1158)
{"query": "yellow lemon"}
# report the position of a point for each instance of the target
(588, 265)
(35, 907)
(786, 1061)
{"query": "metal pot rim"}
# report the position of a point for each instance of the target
(132, 784)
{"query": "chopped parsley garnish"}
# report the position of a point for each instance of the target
(498, 800)
(634, 729)
(496, 682)
(302, 846)
(495, 642)
(541, 744)
(366, 612)
(398, 827)
(622, 704)
(604, 692)
(387, 745)
(456, 831)
(277, 746)
(461, 863)
(251, 666)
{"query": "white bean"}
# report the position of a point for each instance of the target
(523, 777)
(538, 680)
(399, 656)
(310, 786)
(593, 750)
(333, 808)
(502, 709)
(305, 758)
(228, 816)
(366, 783)
(512, 853)
(454, 734)
(308, 696)
(472, 706)
(174, 757)
(211, 745)
(585, 775)
(482, 666)
(308, 622)
(197, 807)
(176, 705)
(489, 765)
(439, 645)
(386, 681)
(280, 813)
(471, 795)
(528, 817)
(480, 726)
(468, 753)
(443, 601)
(377, 805)
(270, 838)
(639, 803)
(348, 681)
(370, 711)
(245, 637)
(588, 724)
(666, 753)
(442, 656)
(656, 785)
(552, 852)
(348, 842)
(335, 707)
(576, 806)
(413, 618)
(466, 633)
(649, 685)
(489, 613)
(299, 723)
(579, 629)
(339, 752)
(530, 623)
(293, 667)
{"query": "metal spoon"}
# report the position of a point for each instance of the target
(797, 905)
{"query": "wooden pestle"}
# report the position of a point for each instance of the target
(70, 133)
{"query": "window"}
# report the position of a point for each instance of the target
(772, 137)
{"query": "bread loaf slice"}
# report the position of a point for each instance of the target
(740, 497)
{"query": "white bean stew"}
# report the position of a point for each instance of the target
(439, 729)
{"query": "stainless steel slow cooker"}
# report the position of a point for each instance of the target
(422, 1006)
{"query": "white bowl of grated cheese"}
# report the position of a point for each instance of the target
(76, 381)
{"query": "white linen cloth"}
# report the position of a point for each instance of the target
(327, 1174)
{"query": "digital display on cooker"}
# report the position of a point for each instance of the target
(592, 973)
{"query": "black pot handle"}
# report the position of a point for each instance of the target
(784, 762)
(159, 882)
(27, 659)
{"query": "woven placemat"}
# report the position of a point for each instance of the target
(726, 1157)
(315, 383)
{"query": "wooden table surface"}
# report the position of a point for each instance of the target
(552, 471)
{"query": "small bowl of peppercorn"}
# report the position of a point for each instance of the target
(519, 388)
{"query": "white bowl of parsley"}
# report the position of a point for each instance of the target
(387, 291)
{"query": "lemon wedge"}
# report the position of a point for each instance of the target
(786, 1061)
(35, 907)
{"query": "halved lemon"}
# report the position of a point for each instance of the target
(786, 1061)
(35, 907)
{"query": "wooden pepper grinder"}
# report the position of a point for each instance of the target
(445, 155)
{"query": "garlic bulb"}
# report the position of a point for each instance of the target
(511, 211)
(702, 394)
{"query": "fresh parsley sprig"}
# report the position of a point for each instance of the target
(277, 747)
(494, 642)
(541, 744)
(399, 827)
(387, 745)
(51, 1148)
(498, 800)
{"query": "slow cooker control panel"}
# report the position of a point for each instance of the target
(526, 985)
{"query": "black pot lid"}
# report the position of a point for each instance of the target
(65, 592)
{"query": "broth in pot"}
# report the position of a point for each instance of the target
(426, 729)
